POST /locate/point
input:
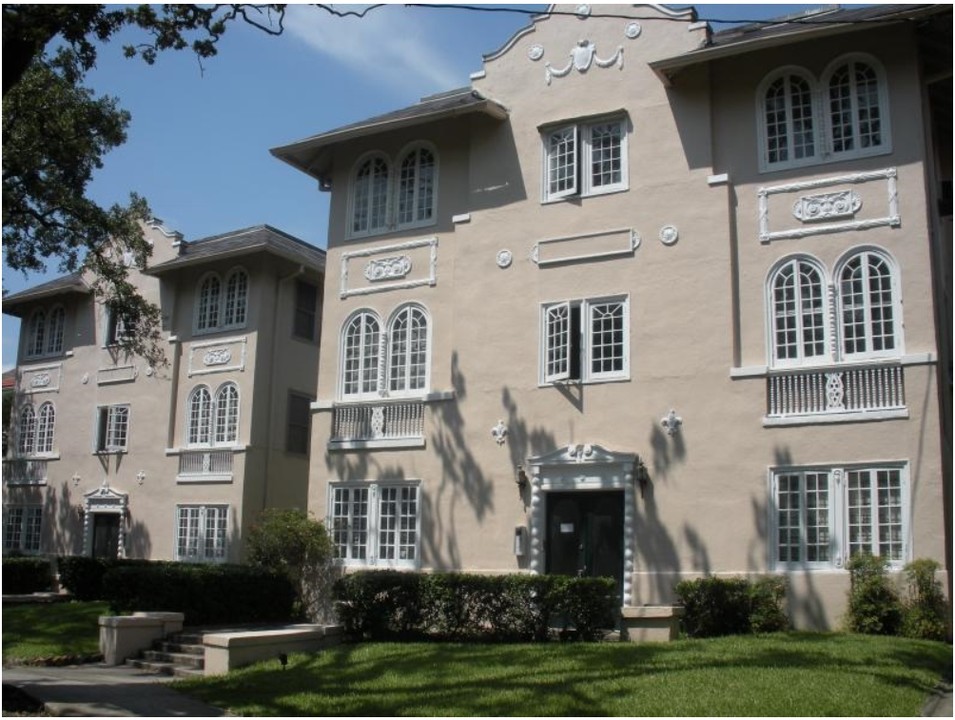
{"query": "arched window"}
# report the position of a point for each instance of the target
(370, 196)
(227, 415)
(36, 334)
(54, 340)
(360, 352)
(46, 420)
(26, 435)
(856, 112)
(408, 350)
(787, 120)
(798, 300)
(207, 309)
(868, 305)
(236, 291)
(199, 420)
(416, 187)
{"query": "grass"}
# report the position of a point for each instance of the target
(794, 674)
(40, 631)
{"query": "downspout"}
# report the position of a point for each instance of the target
(271, 406)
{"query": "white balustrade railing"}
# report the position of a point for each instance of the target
(20, 471)
(378, 421)
(200, 463)
(835, 391)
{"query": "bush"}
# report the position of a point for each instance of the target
(767, 597)
(83, 576)
(206, 594)
(459, 606)
(716, 606)
(925, 613)
(874, 606)
(24, 575)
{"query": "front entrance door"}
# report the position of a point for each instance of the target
(585, 534)
(105, 535)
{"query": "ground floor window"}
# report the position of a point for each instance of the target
(201, 532)
(375, 524)
(22, 525)
(824, 516)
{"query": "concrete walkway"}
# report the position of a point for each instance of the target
(97, 690)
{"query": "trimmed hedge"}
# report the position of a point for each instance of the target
(83, 576)
(206, 594)
(717, 606)
(24, 575)
(389, 604)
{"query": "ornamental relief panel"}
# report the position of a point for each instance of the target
(391, 267)
(848, 203)
(45, 378)
(217, 356)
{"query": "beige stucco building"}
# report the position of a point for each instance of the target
(110, 456)
(647, 301)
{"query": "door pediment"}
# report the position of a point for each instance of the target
(580, 454)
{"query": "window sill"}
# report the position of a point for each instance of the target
(211, 478)
(575, 383)
(584, 196)
(828, 159)
(842, 417)
(205, 448)
(377, 444)
(123, 451)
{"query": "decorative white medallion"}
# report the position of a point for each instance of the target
(669, 234)
(535, 52)
(499, 432)
(217, 356)
(388, 268)
(40, 380)
(633, 30)
(827, 206)
(150, 370)
(672, 423)
(582, 57)
(504, 258)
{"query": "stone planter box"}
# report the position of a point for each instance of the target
(650, 623)
(123, 636)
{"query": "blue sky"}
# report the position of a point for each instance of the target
(198, 144)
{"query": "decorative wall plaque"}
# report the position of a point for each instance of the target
(535, 52)
(669, 234)
(504, 258)
(217, 356)
(40, 380)
(582, 57)
(827, 206)
(388, 268)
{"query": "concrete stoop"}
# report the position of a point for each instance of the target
(180, 655)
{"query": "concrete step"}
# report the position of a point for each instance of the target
(186, 638)
(179, 647)
(183, 659)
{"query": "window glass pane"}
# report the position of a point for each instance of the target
(227, 414)
(606, 154)
(788, 510)
(45, 428)
(370, 196)
(31, 531)
(360, 356)
(200, 418)
(889, 489)
(416, 187)
(55, 334)
(207, 316)
(117, 427)
(306, 309)
(350, 523)
(859, 508)
(237, 288)
(37, 333)
(817, 517)
(607, 338)
(557, 359)
(562, 162)
(13, 533)
(26, 442)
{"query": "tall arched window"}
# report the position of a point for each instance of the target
(798, 312)
(360, 352)
(416, 187)
(26, 435)
(787, 116)
(207, 309)
(46, 421)
(199, 421)
(408, 350)
(54, 340)
(36, 336)
(236, 291)
(227, 415)
(855, 113)
(868, 299)
(370, 196)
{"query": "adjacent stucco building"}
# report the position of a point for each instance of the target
(647, 301)
(110, 456)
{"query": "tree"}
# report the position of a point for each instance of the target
(56, 133)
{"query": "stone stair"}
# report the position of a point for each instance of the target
(181, 655)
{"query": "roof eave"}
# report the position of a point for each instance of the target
(184, 262)
(15, 304)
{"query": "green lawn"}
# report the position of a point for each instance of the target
(789, 674)
(44, 630)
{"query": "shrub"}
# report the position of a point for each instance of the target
(925, 613)
(715, 606)
(83, 576)
(588, 604)
(874, 606)
(206, 594)
(381, 604)
(24, 575)
(767, 596)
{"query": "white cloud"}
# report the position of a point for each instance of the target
(392, 47)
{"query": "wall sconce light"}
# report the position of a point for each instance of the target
(520, 541)
(672, 423)
(521, 478)
(642, 477)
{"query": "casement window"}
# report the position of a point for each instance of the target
(585, 159)
(222, 304)
(22, 527)
(867, 314)
(585, 340)
(306, 310)
(844, 115)
(213, 420)
(36, 430)
(297, 426)
(824, 516)
(44, 332)
(403, 346)
(112, 428)
(201, 533)
(117, 326)
(375, 524)
(398, 195)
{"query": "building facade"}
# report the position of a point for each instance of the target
(112, 457)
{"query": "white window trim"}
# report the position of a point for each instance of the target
(394, 189)
(202, 507)
(350, 231)
(223, 279)
(27, 508)
(822, 121)
(770, 302)
(379, 358)
(372, 558)
(585, 342)
(213, 417)
(583, 183)
(97, 440)
(29, 338)
(838, 513)
(385, 382)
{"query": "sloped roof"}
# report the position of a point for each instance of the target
(307, 155)
(14, 303)
(261, 238)
(835, 20)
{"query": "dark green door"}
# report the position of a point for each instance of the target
(105, 535)
(585, 534)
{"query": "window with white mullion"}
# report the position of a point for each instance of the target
(397, 525)
(788, 119)
(875, 513)
(187, 535)
(360, 355)
(46, 422)
(867, 306)
(199, 426)
(803, 518)
(201, 533)
(23, 525)
(605, 151)
(207, 314)
(607, 349)
(54, 340)
(408, 351)
(855, 108)
(415, 204)
(227, 415)
(562, 173)
(215, 533)
(350, 523)
(117, 427)
(370, 197)
(237, 289)
(557, 345)
(26, 431)
(799, 313)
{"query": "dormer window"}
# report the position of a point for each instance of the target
(586, 158)
(221, 305)
(45, 332)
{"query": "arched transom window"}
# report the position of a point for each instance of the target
(213, 419)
